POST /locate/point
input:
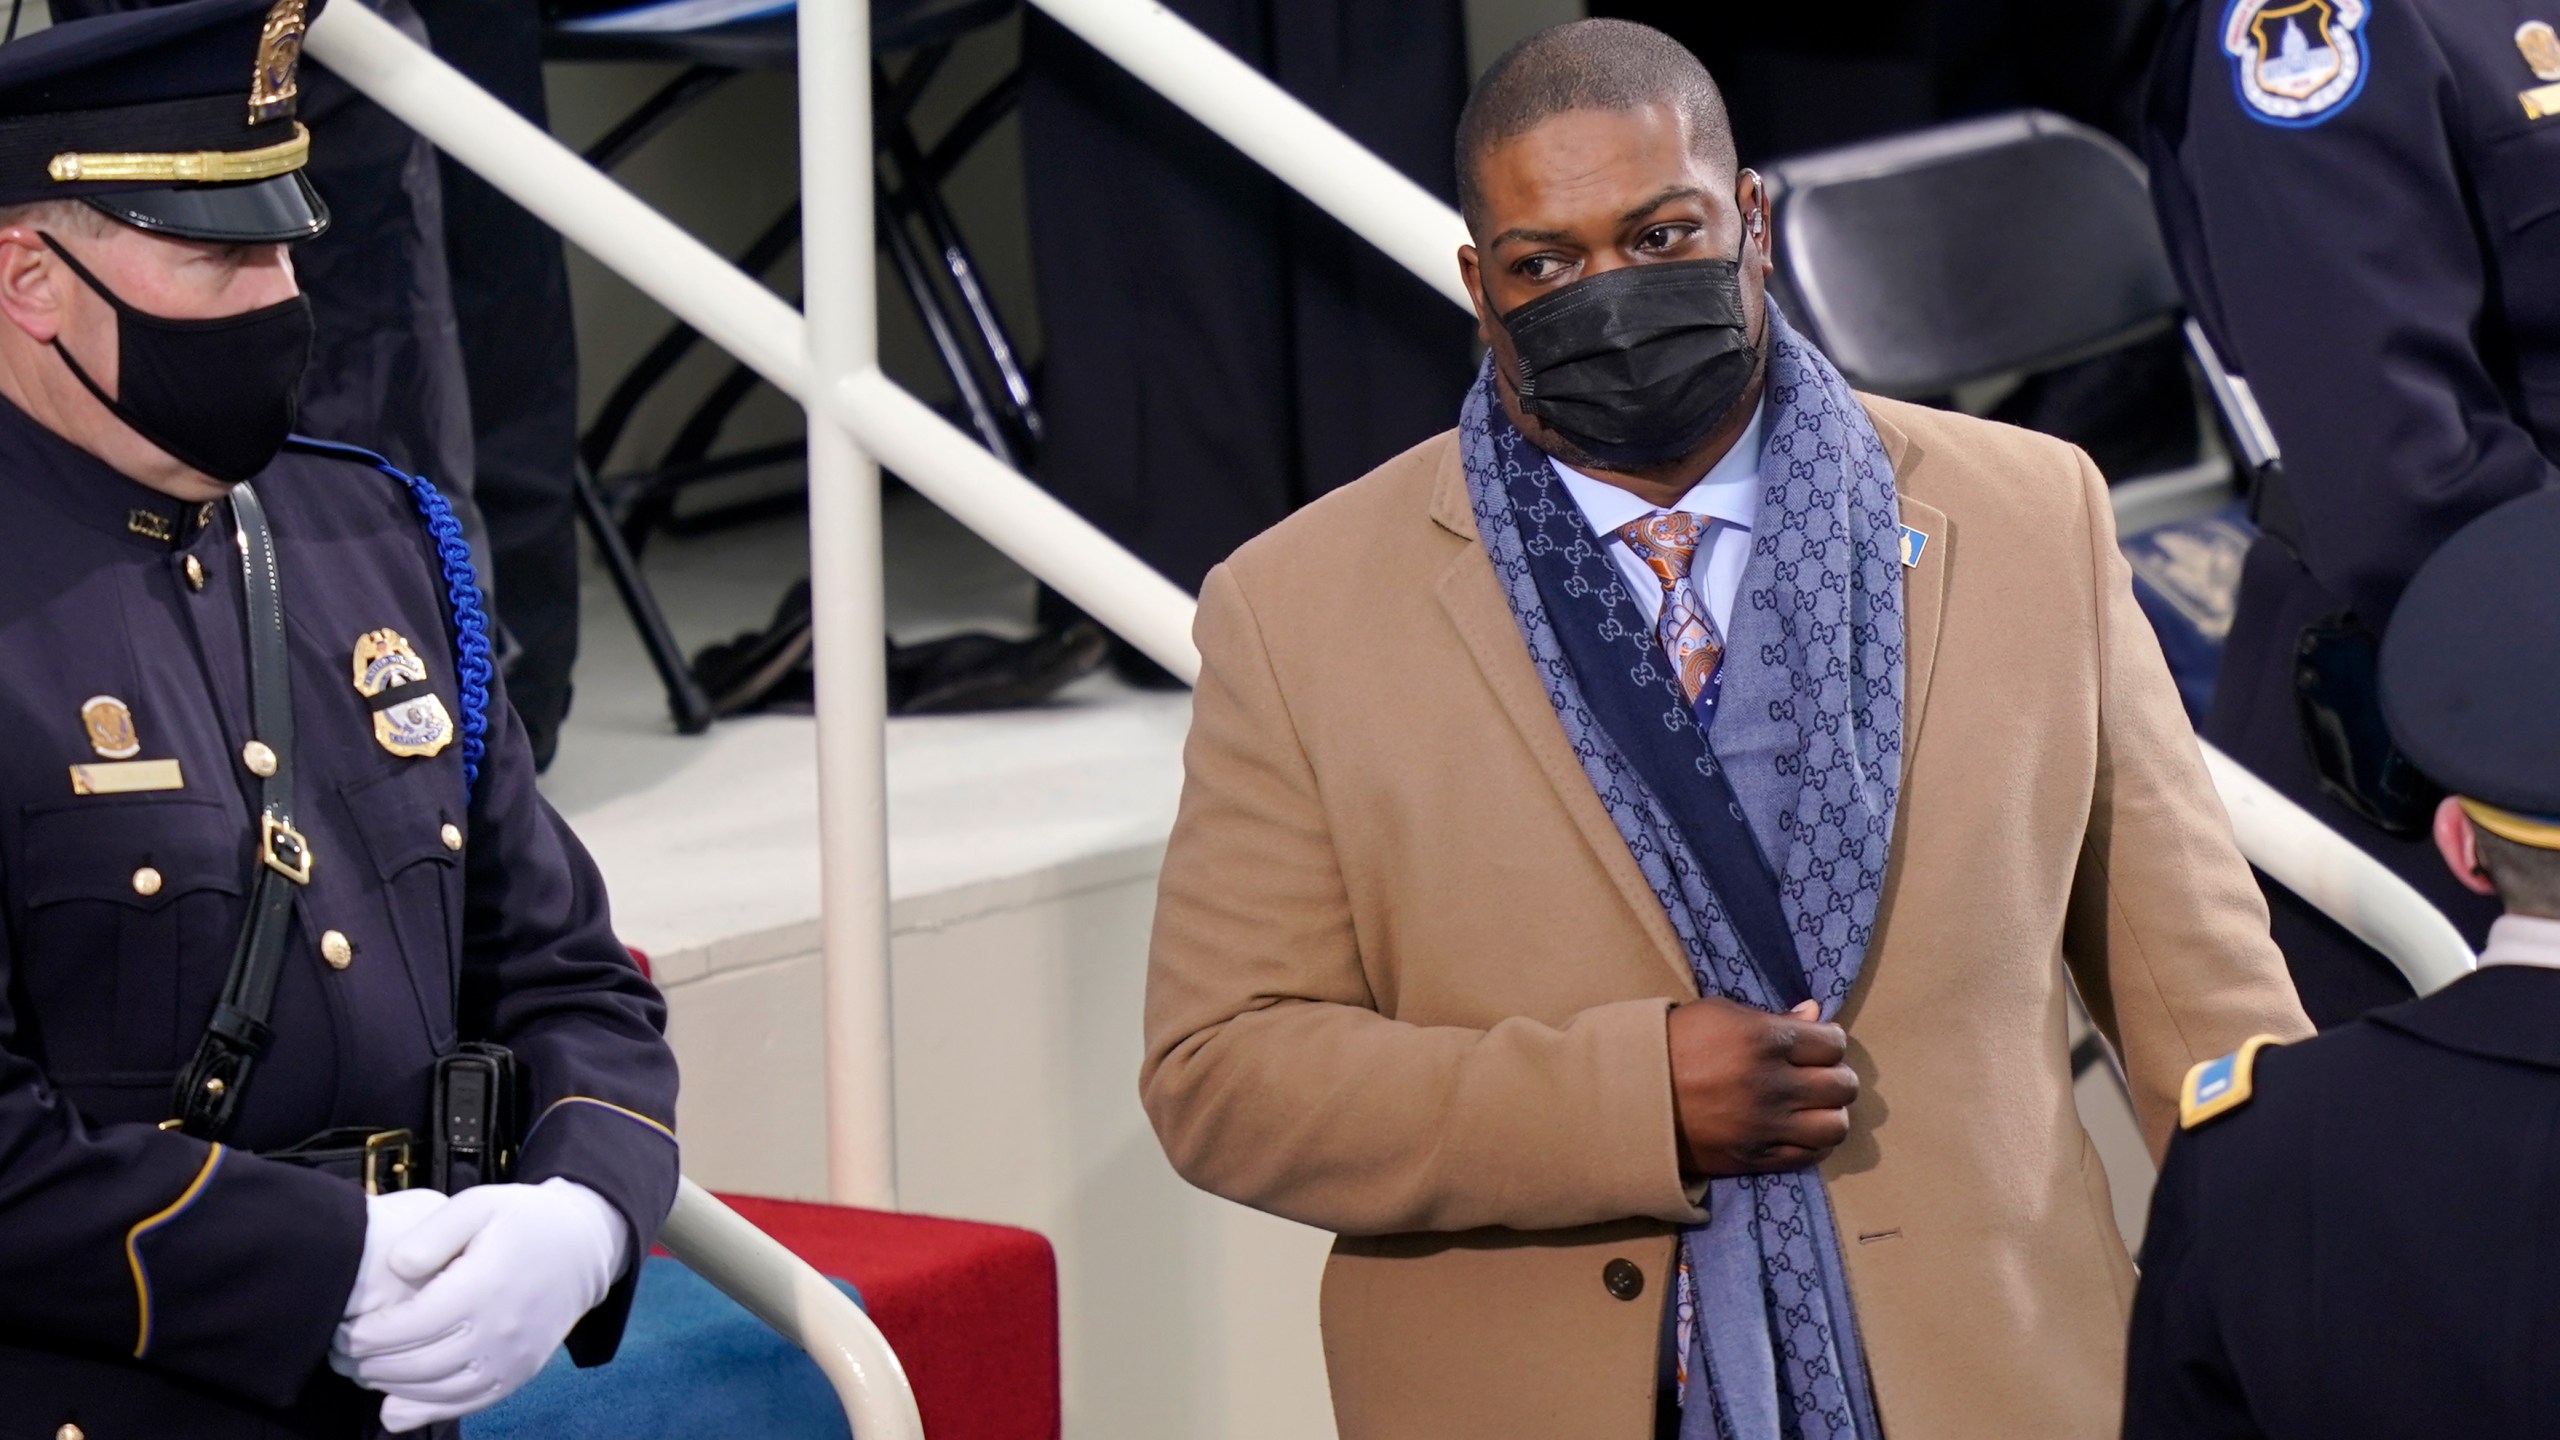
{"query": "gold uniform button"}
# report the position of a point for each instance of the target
(452, 836)
(337, 949)
(260, 759)
(70, 1432)
(146, 881)
(195, 573)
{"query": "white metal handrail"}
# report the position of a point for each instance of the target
(703, 289)
(850, 398)
(785, 1292)
(2348, 885)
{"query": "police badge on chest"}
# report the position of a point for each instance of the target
(408, 718)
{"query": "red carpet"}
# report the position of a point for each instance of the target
(971, 1309)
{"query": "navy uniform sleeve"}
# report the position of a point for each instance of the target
(2179, 1381)
(544, 975)
(196, 1259)
(2335, 262)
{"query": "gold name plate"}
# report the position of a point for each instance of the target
(2540, 101)
(126, 777)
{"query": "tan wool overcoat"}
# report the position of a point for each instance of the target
(1407, 983)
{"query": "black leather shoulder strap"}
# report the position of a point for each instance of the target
(209, 1090)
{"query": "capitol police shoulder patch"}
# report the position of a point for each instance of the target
(2295, 62)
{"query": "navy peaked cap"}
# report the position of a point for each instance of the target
(177, 118)
(2471, 665)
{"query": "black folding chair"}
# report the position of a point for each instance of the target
(917, 231)
(2016, 245)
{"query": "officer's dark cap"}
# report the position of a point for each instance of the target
(2471, 669)
(178, 119)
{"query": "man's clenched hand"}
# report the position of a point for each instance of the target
(1753, 1092)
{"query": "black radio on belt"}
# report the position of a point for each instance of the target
(476, 1118)
(477, 1123)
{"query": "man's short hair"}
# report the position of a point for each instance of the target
(62, 217)
(2527, 877)
(1587, 65)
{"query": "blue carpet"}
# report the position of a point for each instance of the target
(693, 1363)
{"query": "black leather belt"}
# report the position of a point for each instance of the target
(382, 1161)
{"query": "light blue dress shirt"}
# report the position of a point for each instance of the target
(1728, 495)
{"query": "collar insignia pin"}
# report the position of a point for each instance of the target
(2540, 45)
(109, 722)
(408, 718)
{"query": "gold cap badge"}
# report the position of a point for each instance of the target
(279, 80)
(408, 718)
(109, 722)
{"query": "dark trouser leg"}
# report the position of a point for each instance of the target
(2253, 720)
(519, 352)
(1381, 360)
(1163, 311)
(386, 363)
(1215, 357)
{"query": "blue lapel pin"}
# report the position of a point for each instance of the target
(1913, 542)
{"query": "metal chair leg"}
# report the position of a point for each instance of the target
(930, 307)
(686, 702)
(655, 114)
(920, 182)
(633, 389)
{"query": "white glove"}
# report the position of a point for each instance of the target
(387, 1220)
(503, 1273)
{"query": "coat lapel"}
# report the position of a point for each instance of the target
(1923, 585)
(1474, 601)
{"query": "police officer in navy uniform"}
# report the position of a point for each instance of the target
(282, 907)
(2362, 199)
(2352, 1236)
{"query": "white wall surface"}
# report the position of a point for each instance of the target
(1016, 1026)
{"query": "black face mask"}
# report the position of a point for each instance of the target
(220, 395)
(1638, 365)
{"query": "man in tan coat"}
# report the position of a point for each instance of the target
(1457, 856)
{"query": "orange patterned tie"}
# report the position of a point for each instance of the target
(1666, 540)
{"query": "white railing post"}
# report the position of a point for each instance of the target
(836, 252)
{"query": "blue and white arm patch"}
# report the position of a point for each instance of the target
(2295, 63)
(2216, 1087)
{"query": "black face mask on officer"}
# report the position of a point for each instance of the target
(220, 395)
(1638, 365)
